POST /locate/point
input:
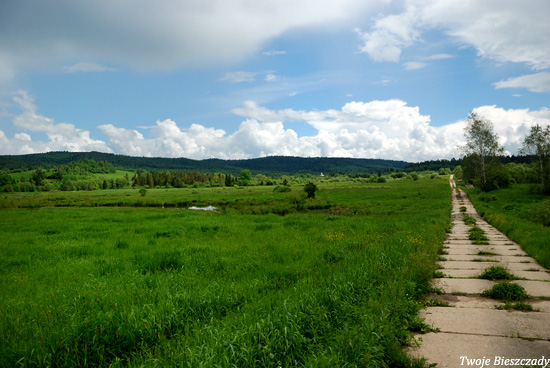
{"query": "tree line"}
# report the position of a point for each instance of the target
(275, 166)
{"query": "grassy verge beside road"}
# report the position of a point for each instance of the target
(519, 213)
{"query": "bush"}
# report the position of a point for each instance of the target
(281, 189)
(26, 187)
(67, 186)
(310, 188)
(485, 197)
(48, 187)
(7, 189)
(143, 192)
(381, 179)
(541, 213)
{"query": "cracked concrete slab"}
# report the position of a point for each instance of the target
(458, 347)
(481, 321)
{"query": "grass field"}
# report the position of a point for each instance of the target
(270, 280)
(522, 215)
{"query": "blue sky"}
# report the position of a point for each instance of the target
(243, 79)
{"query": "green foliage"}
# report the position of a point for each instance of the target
(245, 176)
(497, 273)
(5, 179)
(541, 213)
(273, 166)
(506, 291)
(67, 186)
(486, 197)
(8, 189)
(282, 189)
(433, 165)
(537, 143)
(481, 153)
(310, 188)
(457, 172)
(196, 288)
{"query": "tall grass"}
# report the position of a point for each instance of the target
(153, 286)
(517, 213)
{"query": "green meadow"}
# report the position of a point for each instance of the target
(270, 279)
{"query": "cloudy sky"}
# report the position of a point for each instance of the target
(252, 78)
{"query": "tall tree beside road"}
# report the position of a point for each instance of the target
(481, 152)
(538, 143)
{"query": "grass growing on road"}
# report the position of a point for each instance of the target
(506, 291)
(497, 273)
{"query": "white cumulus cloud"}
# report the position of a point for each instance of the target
(62, 136)
(389, 35)
(388, 129)
(503, 30)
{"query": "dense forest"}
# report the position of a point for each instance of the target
(273, 165)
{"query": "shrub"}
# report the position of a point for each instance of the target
(541, 213)
(7, 189)
(67, 186)
(381, 179)
(310, 188)
(281, 189)
(143, 192)
(485, 197)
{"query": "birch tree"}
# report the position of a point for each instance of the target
(481, 150)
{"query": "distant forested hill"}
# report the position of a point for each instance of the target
(274, 165)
